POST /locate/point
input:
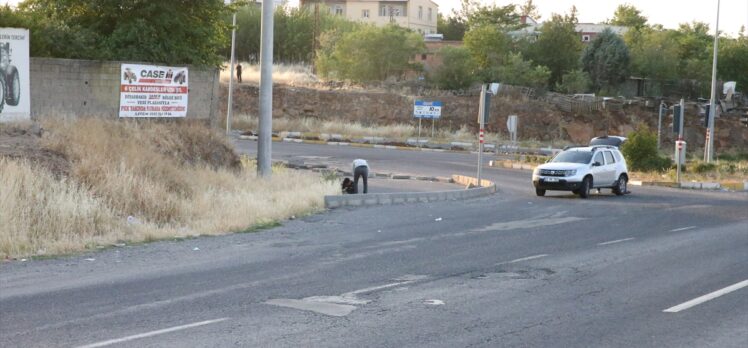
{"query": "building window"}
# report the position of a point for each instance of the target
(364, 13)
(420, 12)
(423, 56)
(383, 11)
(585, 38)
(430, 16)
(338, 10)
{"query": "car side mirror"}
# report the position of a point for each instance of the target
(597, 164)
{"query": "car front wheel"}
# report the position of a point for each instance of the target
(540, 192)
(584, 191)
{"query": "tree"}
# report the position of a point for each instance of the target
(558, 47)
(654, 55)
(573, 82)
(733, 61)
(457, 70)
(628, 16)
(452, 27)
(488, 45)
(502, 17)
(606, 59)
(529, 9)
(518, 71)
(369, 53)
(166, 31)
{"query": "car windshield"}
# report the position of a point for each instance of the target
(574, 157)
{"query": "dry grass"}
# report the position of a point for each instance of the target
(175, 180)
(722, 172)
(350, 130)
(294, 75)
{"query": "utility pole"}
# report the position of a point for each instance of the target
(265, 136)
(709, 148)
(230, 107)
(315, 43)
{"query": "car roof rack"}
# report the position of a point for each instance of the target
(574, 146)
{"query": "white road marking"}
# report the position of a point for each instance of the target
(528, 223)
(341, 305)
(331, 309)
(434, 302)
(707, 297)
(152, 333)
(683, 229)
(615, 241)
(524, 259)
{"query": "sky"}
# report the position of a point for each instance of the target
(669, 13)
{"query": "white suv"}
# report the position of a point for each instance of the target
(580, 169)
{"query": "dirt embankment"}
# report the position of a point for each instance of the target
(538, 120)
(23, 141)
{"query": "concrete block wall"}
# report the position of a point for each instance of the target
(72, 87)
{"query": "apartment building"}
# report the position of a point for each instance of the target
(419, 15)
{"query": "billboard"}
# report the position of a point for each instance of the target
(153, 91)
(15, 90)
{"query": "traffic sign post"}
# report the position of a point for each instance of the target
(483, 111)
(680, 158)
(482, 116)
(426, 109)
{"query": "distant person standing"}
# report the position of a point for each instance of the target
(360, 170)
(239, 72)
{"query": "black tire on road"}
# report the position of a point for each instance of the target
(584, 191)
(13, 85)
(621, 186)
(539, 192)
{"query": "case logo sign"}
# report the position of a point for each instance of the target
(153, 91)
(15, 91)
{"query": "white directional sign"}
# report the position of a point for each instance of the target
(426, 109)
(511, 123)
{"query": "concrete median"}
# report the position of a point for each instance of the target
(488, 188)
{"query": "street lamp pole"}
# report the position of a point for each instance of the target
(709, 148)
(264, 137)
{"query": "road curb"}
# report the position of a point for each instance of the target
(338, 201)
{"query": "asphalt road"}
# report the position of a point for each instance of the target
(657, 268)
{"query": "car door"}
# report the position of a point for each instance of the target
(598, 170)
(610, 168)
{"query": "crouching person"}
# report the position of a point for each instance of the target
(347, 186)
(360, 170)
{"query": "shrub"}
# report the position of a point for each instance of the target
(457, 71)
(641, 151)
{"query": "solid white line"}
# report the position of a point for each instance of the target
(682, 229)
(152, 333)
(375, 288)
(707, 297)
(525, 258)
(615, 241)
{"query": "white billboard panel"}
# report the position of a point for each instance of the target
(15, 82)
(153, 91)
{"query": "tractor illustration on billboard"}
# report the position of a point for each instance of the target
(10, 82)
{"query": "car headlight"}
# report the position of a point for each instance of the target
(570, 172)
(536, 171)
